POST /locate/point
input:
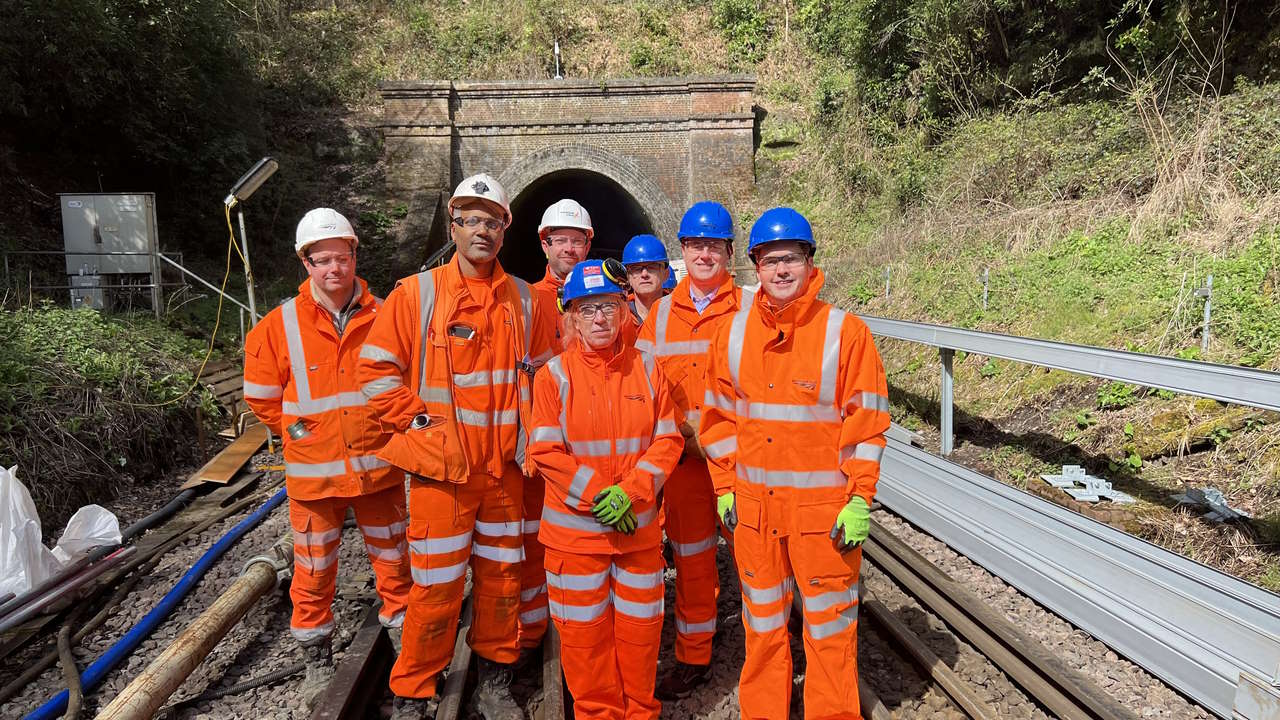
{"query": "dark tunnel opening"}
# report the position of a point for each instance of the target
(615, 215)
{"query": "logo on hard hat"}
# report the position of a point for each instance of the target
(480, 186)
(591, 270)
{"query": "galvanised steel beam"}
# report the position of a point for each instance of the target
(1212, 636)
(1228, 383)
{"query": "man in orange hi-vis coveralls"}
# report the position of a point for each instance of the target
(795, 412)
(604, 437)
(448, 366)
(678, 332)
(565, 233)
(300, 380)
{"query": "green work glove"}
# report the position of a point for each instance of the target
(612, 505)
(727, 510)
(852, 524)
(628, 523)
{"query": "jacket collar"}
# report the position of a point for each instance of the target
(363, 297)
(551, 279)
(457, 283)
(784, 319)
(610, 357)
(726, 295)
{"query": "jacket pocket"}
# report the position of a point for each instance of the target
(816, 517)
(748, 509)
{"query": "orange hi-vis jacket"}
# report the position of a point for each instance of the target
(600, 419)
(679, 338)
(438, 350)
(296, 367)
(796, 409)
(546, 289)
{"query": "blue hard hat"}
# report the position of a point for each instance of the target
(780, 223)
(644, 248)
(706, 219)
(587, 278)
(670, 283)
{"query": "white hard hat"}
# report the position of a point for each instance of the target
(566, 214)
(483, 187)
(322, 224)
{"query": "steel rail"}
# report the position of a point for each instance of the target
(1211, 636)
(1228, 383)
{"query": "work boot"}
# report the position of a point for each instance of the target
(525, 664)
(406, 708)
(682, 681)
(318, 656)
(492, 699)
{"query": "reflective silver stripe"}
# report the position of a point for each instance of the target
(659, 477)
(478, 418)
(546, 434)
(868, 400)
(308, 634)
(426, 308)
(297, 355)
(780, 412)
(644, 346)
(384, 554)
(531, 527)
(687, 628)
(438, 546)
(639, 581)
(533, 592)
(323, 404)
(365, 463)
(436, 394)
(497, 554)
(862, 451)
(377, 386)
(718, 401)
(316, 538)
(631, 445)
(262, 392)
(526, 311)
(590, 448)
(737, 334)
(562, 381)
(660, 325)
(383, 532)
(665, 427)
(336, 468)
(590, 524)
(825, 600)
(643, 610)
(435, 576)
(538, 614)
(683, 347)
(647, 360)
(377, 354)
(842, 622)
(578, 613)
(765, 623)
(581, 479)
(482, 378)
(792, 478)
(721, 448)
(593, 581)
(394, 621)
(499, 529)
(830, 356)
(770, 594)
(315, 563)
(693, 548)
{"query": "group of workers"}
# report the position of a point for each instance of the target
(551, 434)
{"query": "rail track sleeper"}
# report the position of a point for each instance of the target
(1033, 652)
(869, 702)
(960, 691)
(362, 674)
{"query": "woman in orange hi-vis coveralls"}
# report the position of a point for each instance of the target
(678, 331)
(604, 437)
(796, 409)
(448, 366)
(300, 380)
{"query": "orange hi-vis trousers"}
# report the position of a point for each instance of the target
(689, 506)
(771, 570)
(451, 526)
(317, 532)
(608, 611)
(533, 578)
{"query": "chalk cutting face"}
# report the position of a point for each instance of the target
(478, 230)
(331, 265)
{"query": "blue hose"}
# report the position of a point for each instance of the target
(94, 674)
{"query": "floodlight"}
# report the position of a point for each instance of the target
(249, 183)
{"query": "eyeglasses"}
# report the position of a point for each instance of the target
(705, 245)
(653, 268)
(791, 260)
(560, 241)
(341, 259)
(471, 223)
(589, 310)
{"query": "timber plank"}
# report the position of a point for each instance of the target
(224, 466)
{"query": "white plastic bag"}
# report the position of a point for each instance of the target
(24, 560)
(91, 526)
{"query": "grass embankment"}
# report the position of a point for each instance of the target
(93, 406)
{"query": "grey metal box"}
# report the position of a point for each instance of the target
(109, 222)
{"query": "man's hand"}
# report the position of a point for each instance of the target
(726, 508)
(853, 524)
(691, 444)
